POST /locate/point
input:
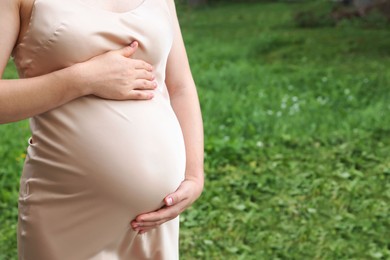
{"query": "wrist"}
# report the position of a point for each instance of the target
(77, 80)
(198, 179)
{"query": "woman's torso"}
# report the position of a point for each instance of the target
(141, 140)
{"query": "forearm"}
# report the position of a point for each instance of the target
(185, 102)
(111, 75)
(23, 98)
(186, 106)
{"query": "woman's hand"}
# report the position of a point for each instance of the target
(175, 203)
(115, 75)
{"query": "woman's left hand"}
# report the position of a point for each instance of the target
(175, 203)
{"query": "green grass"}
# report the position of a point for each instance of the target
(297, 138)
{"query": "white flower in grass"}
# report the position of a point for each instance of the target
(283, 105)
(261, 94)
(294, 109)
(322, 100)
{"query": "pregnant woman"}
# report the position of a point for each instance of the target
(116, 152)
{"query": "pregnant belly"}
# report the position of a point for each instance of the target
(131, 152)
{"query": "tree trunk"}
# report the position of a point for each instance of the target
(365, 6)
(196, 3)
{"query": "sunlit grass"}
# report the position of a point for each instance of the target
(297, 139)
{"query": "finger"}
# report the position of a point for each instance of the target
(157, 221)
(175, 197)
(143, 84)
(140, 95)
(154, 216)
(129, 50)
(161, 214)
(144, 74)
(144, 225)
(149, 225)
(137, 226)
(140, 64)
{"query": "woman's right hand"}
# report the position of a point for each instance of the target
(112, 75)
(115, 75)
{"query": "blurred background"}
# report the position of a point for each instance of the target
(295, 98)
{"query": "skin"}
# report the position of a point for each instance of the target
(112, 75)
(184, 100)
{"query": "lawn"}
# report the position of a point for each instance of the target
(297, 138)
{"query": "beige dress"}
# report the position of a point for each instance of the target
(93, 164)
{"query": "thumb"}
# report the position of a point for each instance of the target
(129, 50)
(172, 199)
(169, 200)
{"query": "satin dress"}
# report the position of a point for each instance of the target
(93, 164)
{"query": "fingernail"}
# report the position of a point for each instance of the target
(151, 95)
(133, 44)
(169, 201)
